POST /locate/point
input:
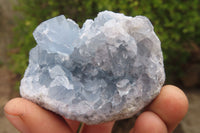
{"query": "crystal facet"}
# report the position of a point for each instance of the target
(108, 70)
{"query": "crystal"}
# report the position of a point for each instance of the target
(107, 70)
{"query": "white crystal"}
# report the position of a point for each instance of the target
(108, 70)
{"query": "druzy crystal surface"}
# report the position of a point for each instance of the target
(108, 70)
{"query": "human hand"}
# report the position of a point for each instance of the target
(161, 116)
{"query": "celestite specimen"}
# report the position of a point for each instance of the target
(108, 70)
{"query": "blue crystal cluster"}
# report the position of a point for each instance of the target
(109, 69)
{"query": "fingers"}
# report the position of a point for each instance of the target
(171, 106)
(101, 128)
(28, 117)
(74, 125)
(149, 122)
(164, 113)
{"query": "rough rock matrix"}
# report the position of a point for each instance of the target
(108, 70)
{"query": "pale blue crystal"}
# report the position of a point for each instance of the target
(108, 70)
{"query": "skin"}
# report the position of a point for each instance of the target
(161, 116)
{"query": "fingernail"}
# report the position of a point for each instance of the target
(17, 122)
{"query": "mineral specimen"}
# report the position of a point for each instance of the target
(108, 70)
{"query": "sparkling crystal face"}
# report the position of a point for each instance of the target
(109, 69)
